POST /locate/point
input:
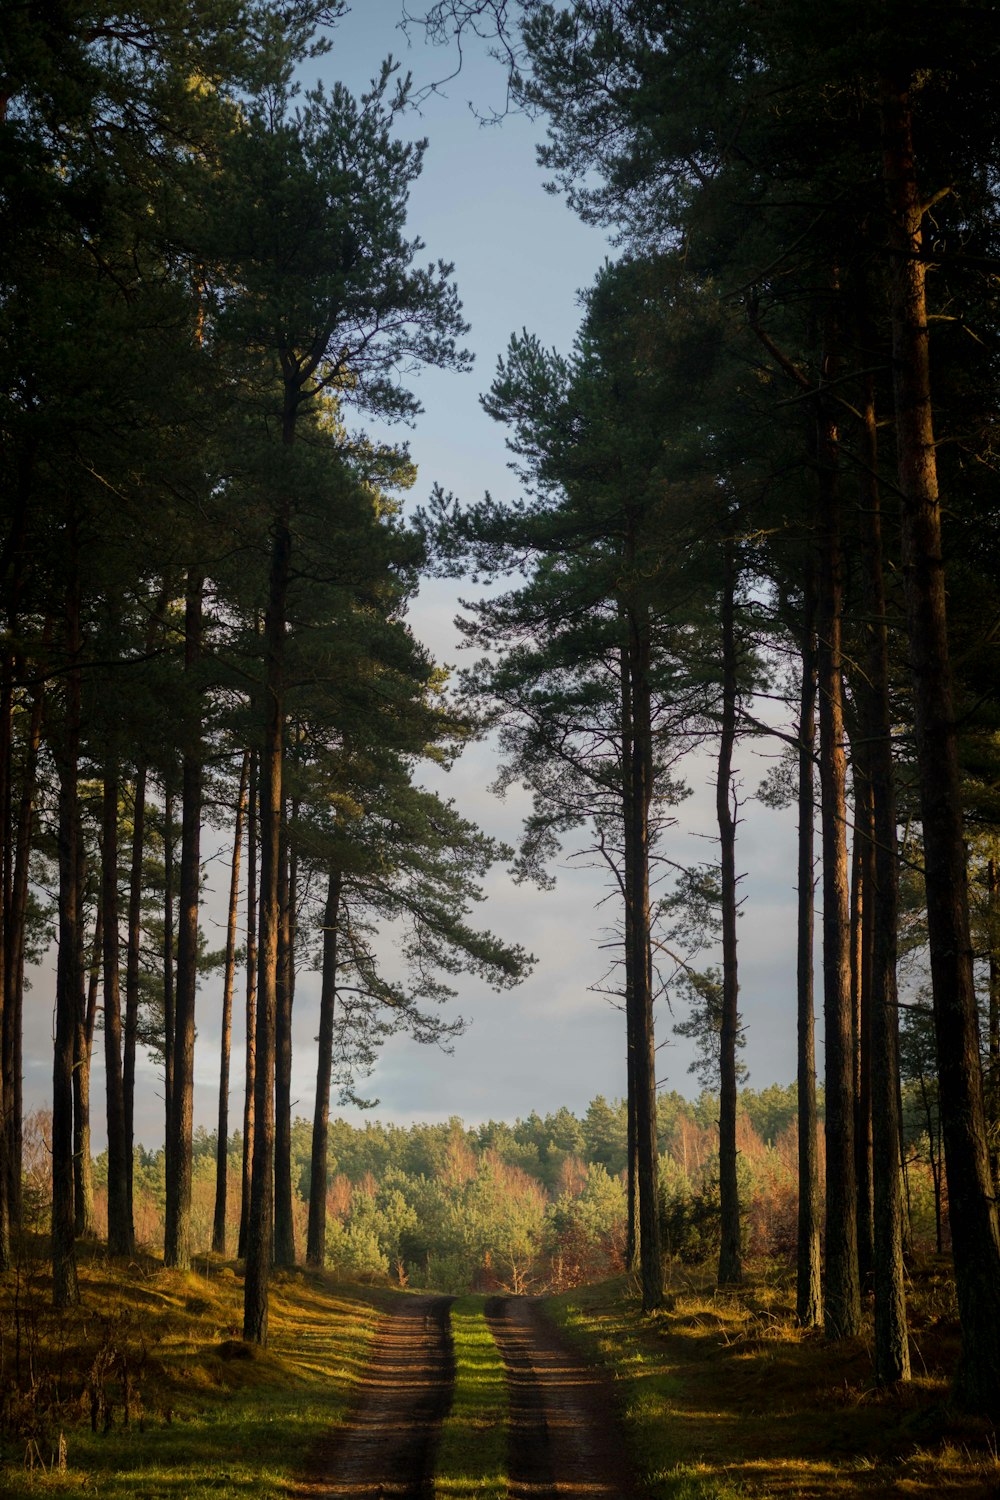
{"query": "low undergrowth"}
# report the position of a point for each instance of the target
(723, 1396)
(146, 1389)
(472, 1452)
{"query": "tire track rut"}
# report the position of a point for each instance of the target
(387, 1447)
(564, 1441)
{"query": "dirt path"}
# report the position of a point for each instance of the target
(564, 1440)
(387, 1447)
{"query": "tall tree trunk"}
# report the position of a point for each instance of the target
(993, 1077)
(168, 970)
(120, 1234)
(65, 1286)
(650, 1257)
(730, 1259)
(631, 1038)
(259, 1227)
(975, 1232)
(316, 1237)
(809, 1298)
(132, 977)
(14, 958)
(842, 1294)
(250, 1069)
(83, 1048)
(892, 1355)
(862, 934)
(177, 1241)
(222, 1142)
(6, 1041)
(284, 1229)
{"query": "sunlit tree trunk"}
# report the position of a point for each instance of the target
(809, 1298)
(730, 1258)
(65, 1286)
(842, 1295)
(259, 1246)
(225, 1042)
(316, 1240)
(120, 1235)
(250, 1069)
(892, 1354)
(177, 1240)
(975, 1232)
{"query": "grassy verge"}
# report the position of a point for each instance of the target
(472, 1455)
(207, 1416)
(722, 1396)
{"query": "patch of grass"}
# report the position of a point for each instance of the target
(472, 1454)
(722, 1395)
(207, 1415)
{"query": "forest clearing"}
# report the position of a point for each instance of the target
(730, 707)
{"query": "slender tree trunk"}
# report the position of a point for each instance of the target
(892, 1355)
(809, 1298)
(650, 1257)
(631, 1037)
(83, 1048)
(15, 950)
(177, 1242)
(730, 1259)
(842, 1295)
(120, 1234)
(65, 1286)
(284, 1236)
(862, 911)
(975, 1232)
(259, 1227)
(222, 1145)
(6, 1074)
(132, 978)
(993, 1077)
(316, 1237)
(250, 1072)
(168, 974)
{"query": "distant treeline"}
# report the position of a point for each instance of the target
(537, 1203)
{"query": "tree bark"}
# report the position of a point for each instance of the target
(6, 1045)
(650, 1256)
(316, 1237)
(83, 1047)
(177, 1241)
(809, 1298)
(842, 1295)
(975, 1233)
(132, 977)
(250, 1070)
(259, 1226)
(631, 1038)
(730, 1259)
(15, 948)
(121, 1239)
(225, 1043)
(168, 970)
(862, 935)
(993, 1075)
(65, 1285)
(284, 1231)
(892, 1355)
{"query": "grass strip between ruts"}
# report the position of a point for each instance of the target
(472, 1452)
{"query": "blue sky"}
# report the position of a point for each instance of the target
(520, 258)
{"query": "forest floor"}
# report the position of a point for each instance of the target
(147, 1390)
